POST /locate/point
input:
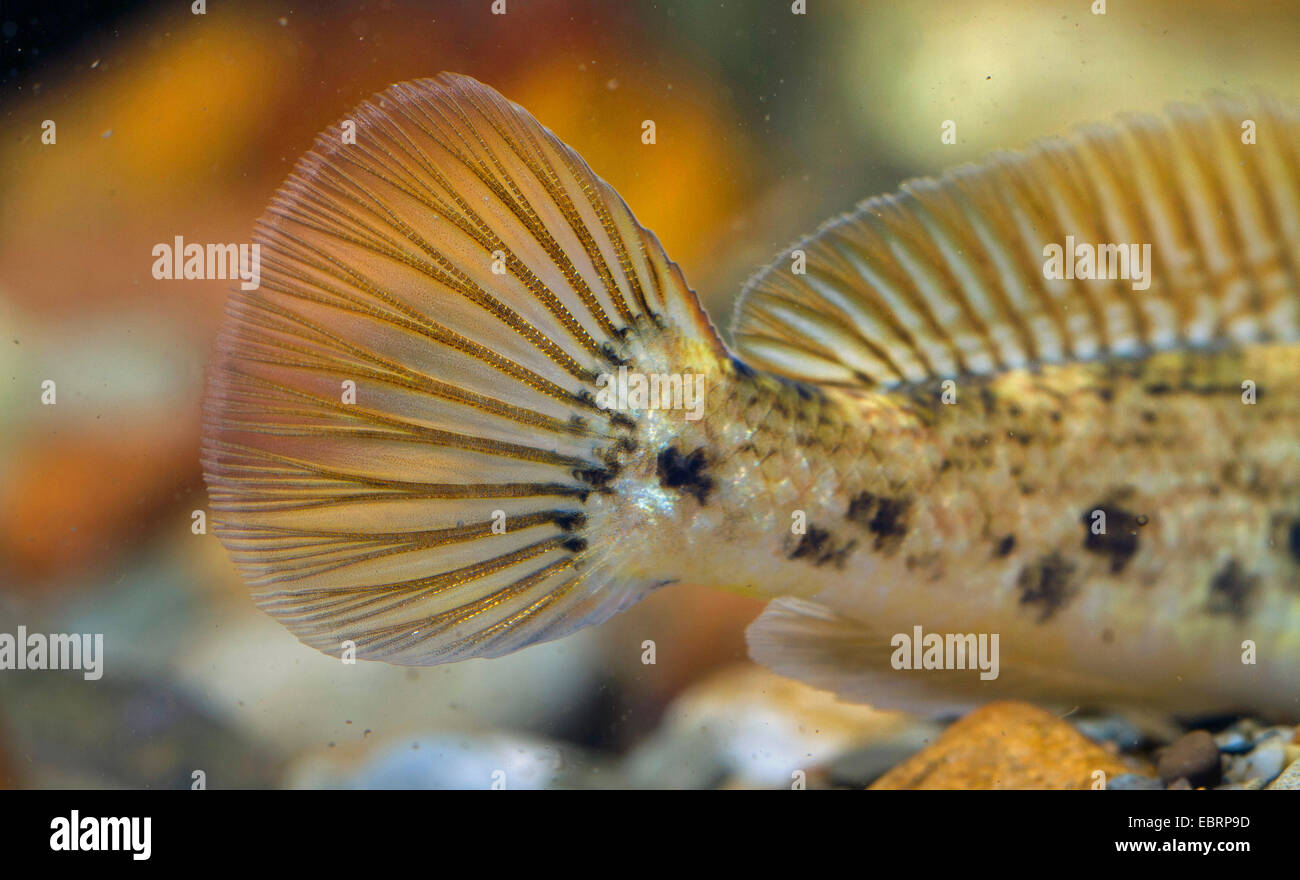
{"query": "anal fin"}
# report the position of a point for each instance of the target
(851, 658)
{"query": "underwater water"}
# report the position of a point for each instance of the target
(730, 132)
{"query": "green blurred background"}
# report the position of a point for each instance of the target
(170, 123)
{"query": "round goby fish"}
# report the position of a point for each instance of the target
(1025, 429)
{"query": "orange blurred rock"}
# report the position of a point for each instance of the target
(1005, 745)
(78, 496)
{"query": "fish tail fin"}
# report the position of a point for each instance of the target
(402, 438)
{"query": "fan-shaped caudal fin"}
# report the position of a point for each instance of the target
(401, 434)
(1172, 230)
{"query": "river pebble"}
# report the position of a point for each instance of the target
(1194, 757)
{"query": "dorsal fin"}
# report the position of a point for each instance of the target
(948, 277)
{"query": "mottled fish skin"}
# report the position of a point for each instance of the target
(976, 517)
(919, 430)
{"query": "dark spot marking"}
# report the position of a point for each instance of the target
(686, 473)
(570, 521)
(607, 351)
(819, 547)
(575, 545)
(1120, 542)
(598, 477)
(1046, 584)
(811, 543)
(1107, 636)
(886, 518)
(1005, 546)
(1293, 540)
(1231, 590)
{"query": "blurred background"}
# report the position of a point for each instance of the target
(175, 124)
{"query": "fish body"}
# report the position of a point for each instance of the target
(920, 426)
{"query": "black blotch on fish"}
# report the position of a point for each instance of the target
(607, 351)
(811, 543)
(1231, 590)
(622, 420)
(570, 521)
(575, 545)
(819, 547)
(884, 517)
(1005, 545)
(685, 473)
(1045, 584)
(1120, 542)
(597, 478)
